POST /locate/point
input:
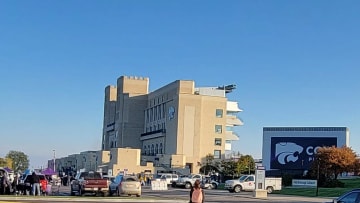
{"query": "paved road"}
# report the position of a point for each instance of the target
(171, 195)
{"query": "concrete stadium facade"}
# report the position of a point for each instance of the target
(172, 128)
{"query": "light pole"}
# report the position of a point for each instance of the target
(54, 160)
(318, 176)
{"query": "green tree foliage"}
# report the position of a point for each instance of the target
(245, 164)
(208, 162)
(3, 162)
(20, 161)
(333, 161)
(209, 159)
(228, 167)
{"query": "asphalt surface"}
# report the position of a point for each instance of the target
(175, 195)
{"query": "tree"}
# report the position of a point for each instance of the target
(2, 162)
(245, 164)
(334, 161)
(20, 161)
(228, 167)
(356, 167)
(5, 162)
(208, 162)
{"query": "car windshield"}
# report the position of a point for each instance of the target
(130, 179)
(90, 175)
(242, 178)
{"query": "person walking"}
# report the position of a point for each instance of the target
(35, 184)
(196, 193)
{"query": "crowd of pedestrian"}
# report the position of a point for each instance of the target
(5, 184)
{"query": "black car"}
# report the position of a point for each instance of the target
(352, 196)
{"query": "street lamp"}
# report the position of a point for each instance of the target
(54, 160)
(318, 176)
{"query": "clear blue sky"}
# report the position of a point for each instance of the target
(295, 63)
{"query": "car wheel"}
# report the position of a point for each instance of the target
(213, 186)
(269, 189)
(105, 193)
(138, 195)
(237, 189)
(187, 185)
(173, 184)
(72, 193)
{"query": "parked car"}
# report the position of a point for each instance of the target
(187, 181)
(352, 196)
(168, 177)
(89, 182)
(125, 185)
(114, 184)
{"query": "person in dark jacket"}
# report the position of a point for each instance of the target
(35, 184)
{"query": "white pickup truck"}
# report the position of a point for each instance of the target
(247, 183)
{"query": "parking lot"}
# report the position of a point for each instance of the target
(180, 195)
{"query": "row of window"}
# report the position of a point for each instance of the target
(218, 128)
(304, 129)
(155, 113)
(153, 149)
(158, 112)
(158, 100)
(155, 127)
(113, 144)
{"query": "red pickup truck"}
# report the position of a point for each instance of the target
(89, 182)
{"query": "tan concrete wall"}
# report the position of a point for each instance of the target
(131, 103)
(133, 84)
(196, 127)
(127, 159)
(178, 161)
(109, 116)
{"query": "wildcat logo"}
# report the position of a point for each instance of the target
(286, 152)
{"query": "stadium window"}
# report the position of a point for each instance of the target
(218, 129)
(219, 113)
(218, 141)
(217, 154)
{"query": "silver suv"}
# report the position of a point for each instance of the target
(188, 181)
(170, 178)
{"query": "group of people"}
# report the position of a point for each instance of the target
(29, 186)
(5, 184)
(145, 180)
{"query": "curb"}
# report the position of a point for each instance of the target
(67, 199)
